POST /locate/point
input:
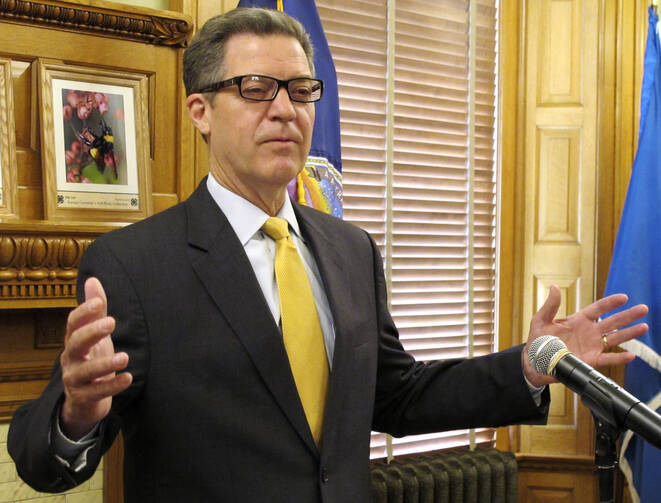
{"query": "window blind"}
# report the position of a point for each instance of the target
(417, 120)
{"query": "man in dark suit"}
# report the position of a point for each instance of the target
(177, 338)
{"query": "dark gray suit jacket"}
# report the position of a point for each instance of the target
(213, 413)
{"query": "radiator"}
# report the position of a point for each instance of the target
(480, 476)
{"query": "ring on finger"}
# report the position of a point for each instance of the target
(604, 338)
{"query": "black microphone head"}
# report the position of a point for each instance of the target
(541, 353)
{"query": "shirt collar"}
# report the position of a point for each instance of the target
(244, 217)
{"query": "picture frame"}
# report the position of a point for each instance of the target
(8, 169)
(95, 143)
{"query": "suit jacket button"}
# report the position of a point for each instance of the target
(324, 475)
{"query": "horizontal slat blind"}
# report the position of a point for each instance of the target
(484, 211)
(427, 235)
(356, 34)
(430, 174)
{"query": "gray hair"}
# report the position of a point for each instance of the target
(204, 57)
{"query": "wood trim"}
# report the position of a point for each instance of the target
(27, 372)
(8, 191)
(113, 472)
(549, 463)
(551, 479)
(509, 266)
(39, 265)
(507, 142)
(607, 147)
(102, 18)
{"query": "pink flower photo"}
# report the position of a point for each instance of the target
(94, 137)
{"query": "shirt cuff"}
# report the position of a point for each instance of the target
(535, 391)
(72, 453)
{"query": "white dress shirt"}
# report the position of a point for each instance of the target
(247, 219)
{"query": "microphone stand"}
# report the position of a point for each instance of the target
(605, 457)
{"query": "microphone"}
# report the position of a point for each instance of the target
(608, 401)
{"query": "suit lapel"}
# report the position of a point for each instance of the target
(331, 262)
(221, 264)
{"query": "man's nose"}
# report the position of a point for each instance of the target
(282, 106)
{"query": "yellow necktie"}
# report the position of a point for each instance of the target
(301, 330)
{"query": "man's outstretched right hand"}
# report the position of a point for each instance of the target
(90, 365)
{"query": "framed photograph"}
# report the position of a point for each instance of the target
(8, 170)
(95, 143)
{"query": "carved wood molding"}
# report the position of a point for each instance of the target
(117, 21)
(40, 266)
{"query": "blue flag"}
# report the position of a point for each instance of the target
(636, 270)
(320, 183)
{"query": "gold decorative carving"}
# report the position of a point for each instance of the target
(38, 266)
(133, 24)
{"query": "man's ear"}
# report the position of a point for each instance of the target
(198, 108)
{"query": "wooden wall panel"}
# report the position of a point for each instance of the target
(554, 488)
(571, 74)
(555, 195)
(118, 54)
(30, 342)
(143, 42)
(559, 52)
(557, 190)
(560, 114)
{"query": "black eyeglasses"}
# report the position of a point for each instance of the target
(263, 88)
